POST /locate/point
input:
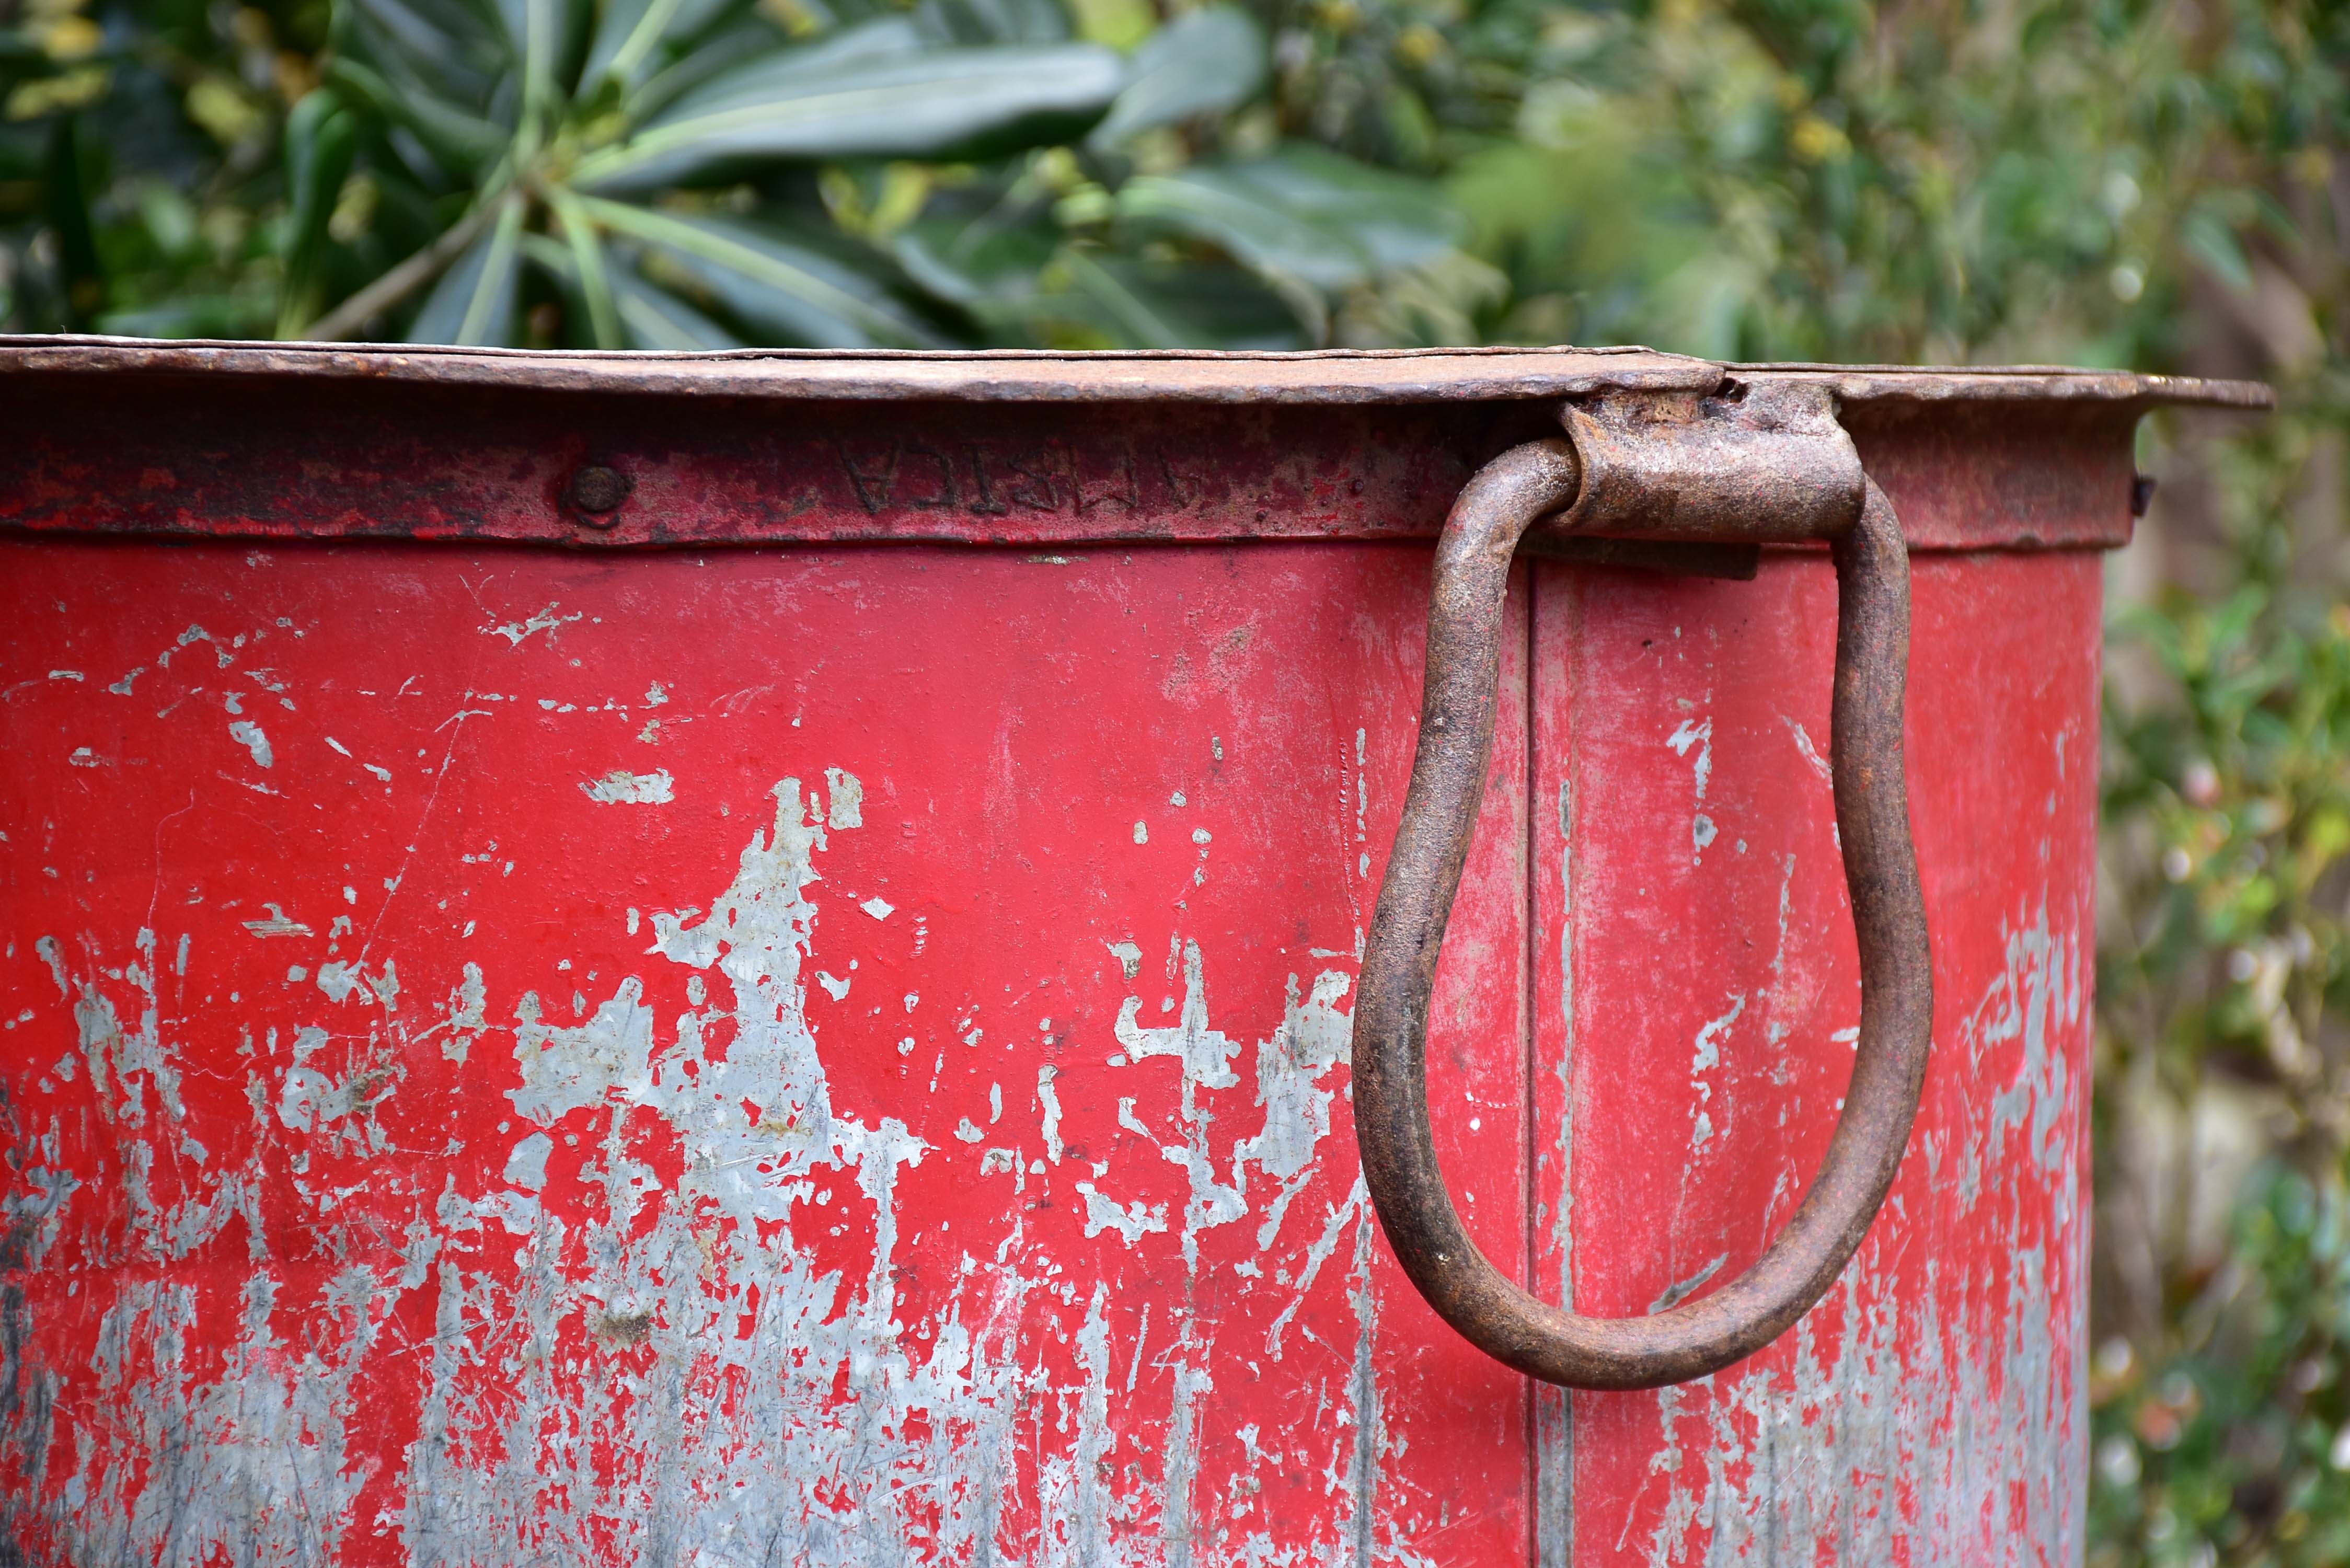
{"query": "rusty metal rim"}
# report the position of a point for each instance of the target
(1390, 1032)
(1938, 384)
(1322, 376)
(885, 356)
(1316, 376)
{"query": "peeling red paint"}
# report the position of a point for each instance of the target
(1931, 1408)
(456, 1188)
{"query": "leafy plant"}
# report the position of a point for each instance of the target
(2235, 1444)
(697, 173)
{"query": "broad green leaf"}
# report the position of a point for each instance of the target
(1205, 62)
(787, 288)
(1303, 214)
(473, 302)
(941, 104)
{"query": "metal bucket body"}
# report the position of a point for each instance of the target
(748, 960)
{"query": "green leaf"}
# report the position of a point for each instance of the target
(1302, 214)
(449, 48)
(649, 317)
(977, 265)
(473, 302)
(1178, 305)
(1135, 318)
(542, 31)
(459, 142)
(321, 139)
(940, 104)
(776, 72)
(318, 139)
(730, 49)
(655, 319)
(1206, 62)
(629, 38)
(771, 281)
(588, 255)
(66, 198)
(996, 21)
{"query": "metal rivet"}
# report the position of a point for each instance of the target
(597, 492)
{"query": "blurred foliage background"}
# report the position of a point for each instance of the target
(2154, 183)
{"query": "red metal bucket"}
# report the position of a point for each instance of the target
(754, 959)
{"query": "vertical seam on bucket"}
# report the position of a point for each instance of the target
(1570, 794)
(1530, 1033)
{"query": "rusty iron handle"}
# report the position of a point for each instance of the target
(1391, 1032)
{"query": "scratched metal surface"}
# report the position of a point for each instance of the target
(797, 1059)
(1697, 991)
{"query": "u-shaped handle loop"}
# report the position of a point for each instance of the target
(1390, 1032)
